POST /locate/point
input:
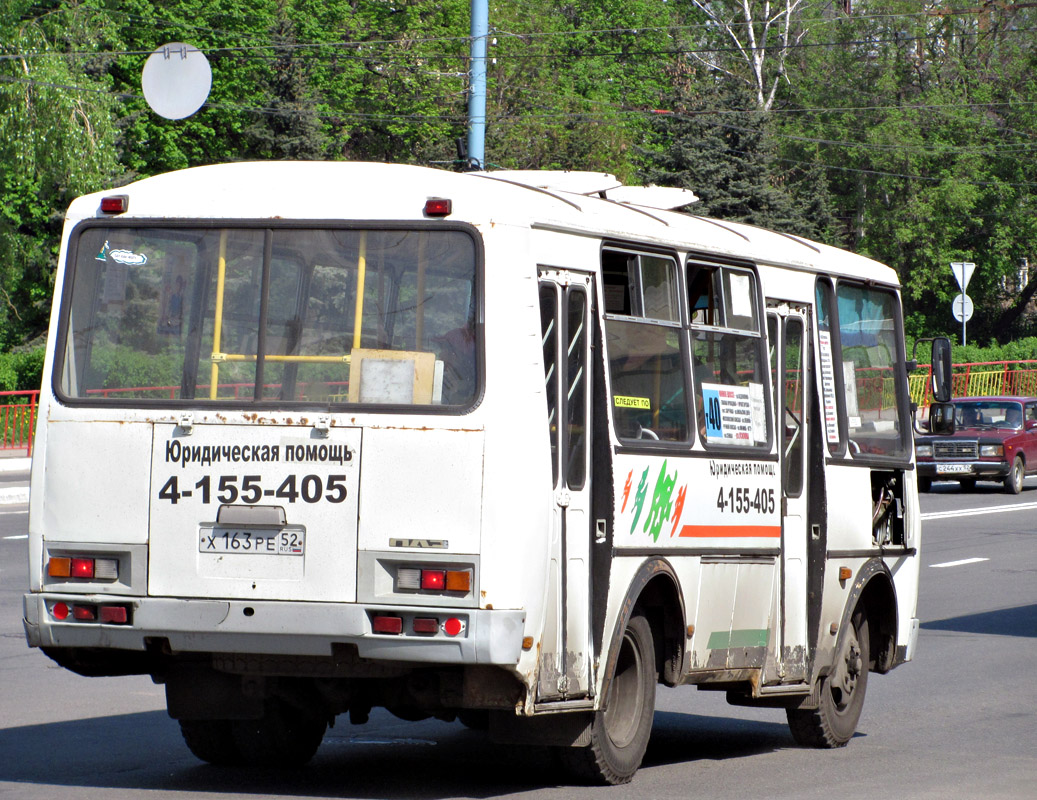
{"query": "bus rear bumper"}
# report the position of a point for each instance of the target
(482, 636)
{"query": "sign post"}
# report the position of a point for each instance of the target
(962, 305)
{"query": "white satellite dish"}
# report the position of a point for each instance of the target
(176, 80)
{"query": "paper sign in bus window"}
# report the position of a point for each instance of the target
(728, 414)
(623, 401)
(824, 339)
(741, 295)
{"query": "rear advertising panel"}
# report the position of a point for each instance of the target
(254, 512)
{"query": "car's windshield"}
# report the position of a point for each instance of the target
(988, 414)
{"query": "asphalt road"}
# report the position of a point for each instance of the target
(958, 722)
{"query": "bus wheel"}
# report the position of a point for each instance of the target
(619, 734)
(211, 740)
(833, 722)
(1014, 481)
(285, 736)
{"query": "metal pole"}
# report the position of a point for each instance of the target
(477, 79)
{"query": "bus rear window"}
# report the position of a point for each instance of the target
(287, 315)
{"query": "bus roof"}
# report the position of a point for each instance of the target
(287, 190)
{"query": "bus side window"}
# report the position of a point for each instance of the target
(730, 368)
(645, 346)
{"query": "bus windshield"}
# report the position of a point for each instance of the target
(284, 315)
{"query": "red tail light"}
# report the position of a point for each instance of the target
(386, 624)
(433, 579)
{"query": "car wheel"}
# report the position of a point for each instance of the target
(619, 734)
(833, 723)
(925, 484)
(1014, 481)
(285, 736)
(968, 485)
(211, 740)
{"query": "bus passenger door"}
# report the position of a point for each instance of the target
(790, 361)
(565, 654)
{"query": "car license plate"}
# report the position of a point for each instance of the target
(280, 542)
(953, 469)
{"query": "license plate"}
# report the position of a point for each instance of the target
(281, 542)
(953, 469)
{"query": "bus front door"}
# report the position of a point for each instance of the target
(565, 655)
(790, 360)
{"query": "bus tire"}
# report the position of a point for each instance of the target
(211, 740)
(619, 734)
(285, 736)
(1014, 481)
(834, 721)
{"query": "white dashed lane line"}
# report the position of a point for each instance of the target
(971, 512)
(960, 563)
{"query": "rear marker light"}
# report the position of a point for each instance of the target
(390, 625)
(438, 207)
(115, 204)
(86, 613)
(434, 579)
(59, 611)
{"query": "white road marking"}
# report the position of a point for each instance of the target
(971, 512)
(959, 563)
(23, 536)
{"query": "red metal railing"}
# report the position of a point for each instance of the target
(18, 420)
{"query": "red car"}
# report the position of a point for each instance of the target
(994, 439)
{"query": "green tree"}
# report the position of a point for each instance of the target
(718, 144)
(916, 114)
(291, 128)
(57, 140)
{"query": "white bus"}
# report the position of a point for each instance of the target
(316, 438)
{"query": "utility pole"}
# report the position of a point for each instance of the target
(477, 85)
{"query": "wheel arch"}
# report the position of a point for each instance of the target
(873, 591)
(655, 591)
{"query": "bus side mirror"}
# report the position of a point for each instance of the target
(941, 418)
(941, 370)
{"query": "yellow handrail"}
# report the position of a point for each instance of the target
(217, 331)
(290, 359)
(217, 325)
(361, 270)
